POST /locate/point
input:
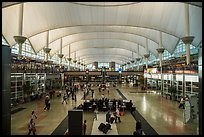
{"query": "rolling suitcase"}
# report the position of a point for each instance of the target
(105, 129)
(108, 126)
(101, 126)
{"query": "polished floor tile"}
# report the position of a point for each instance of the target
(162, 114)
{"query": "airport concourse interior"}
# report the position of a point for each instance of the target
(102, 68)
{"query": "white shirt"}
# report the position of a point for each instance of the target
(33, 117)
(117, 113)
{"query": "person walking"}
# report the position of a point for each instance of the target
(182, 102)
(96, 114)
(64, 99)
(84, 127)
(33, 116)
(46, 102)
(31, 127)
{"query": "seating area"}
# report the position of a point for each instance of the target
(105, 104)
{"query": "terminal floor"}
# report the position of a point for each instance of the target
(162, 114)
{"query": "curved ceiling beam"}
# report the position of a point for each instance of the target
(106, 47)
(8, 4)
(198, 4)
(102, 32)
(110, 5)
(88, 53)
(109, 25)
(106, 55)
(101, 48)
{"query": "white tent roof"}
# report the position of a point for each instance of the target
(102, 28)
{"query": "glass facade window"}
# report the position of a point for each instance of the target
(151, 58)
(55, 59)
(89, 67)
(117, 66)
(14, 49)
(180, 49)
(27, 50)
(142, 61)
(166, 55)
(100, 65)
(4, 42)
(41, 55)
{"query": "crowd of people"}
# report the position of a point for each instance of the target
(97, 104)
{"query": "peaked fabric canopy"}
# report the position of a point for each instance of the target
(101, 31)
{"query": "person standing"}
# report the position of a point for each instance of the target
(139, 127)
(75, 98)
(108, 115)
(92, 92)
(117, 114)
(31, 127)
(84, 127)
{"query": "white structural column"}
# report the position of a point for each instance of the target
(160, 50)
(138, 59)
(147, 53)
(20, 39)
(47, 49)
(124, 65)
(20, 27)
(79, 64)
(187, 39)
(60, 55)
(74, 60)
(84, 65)
(132, 61)
(128, 63)
(69, 59)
